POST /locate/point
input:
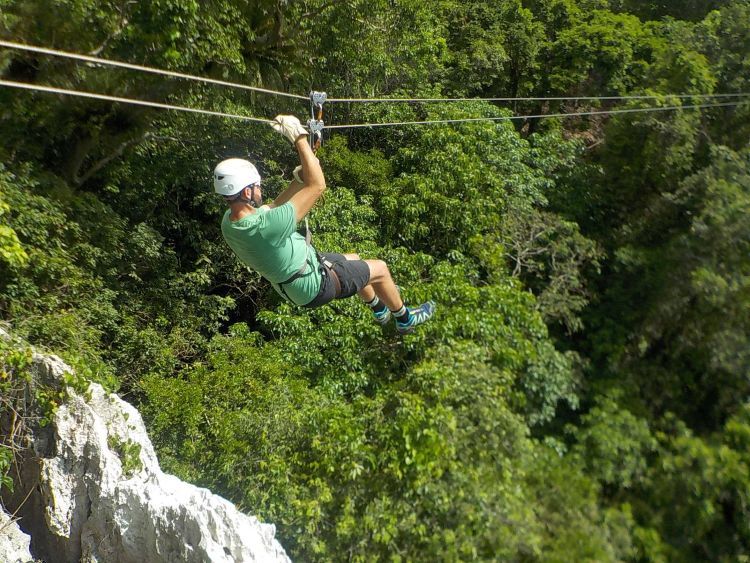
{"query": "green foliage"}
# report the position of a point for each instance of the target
(379, 474)
(11, 250)
(552, 257)
(375, 46)
(687, 348)
(590, 274)
(656, 9)
(697, 493)
(91, 285)
(725, 42)
(6, 465)
(129, 453)
(14, 380)
(493, 48)
(565, 499)
(54, 298)
(48, 398)
(15, 360)
(614, 443)
(458, 181)
(605, 51)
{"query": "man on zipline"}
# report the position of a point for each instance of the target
(265, 238)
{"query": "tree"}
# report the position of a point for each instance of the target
(11, 250)
(493, 48)
(657, 9)
(240, 40)
(697, 493)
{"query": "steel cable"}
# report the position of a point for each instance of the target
(540, 99)
(538, 116)
(96, 60)
(92, 95)
(130, 66)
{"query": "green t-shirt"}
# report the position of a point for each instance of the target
(267, 241)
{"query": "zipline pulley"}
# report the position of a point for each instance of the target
(316, 129)
(317, 99)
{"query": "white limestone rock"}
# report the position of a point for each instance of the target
(14, 544)
(103, 498)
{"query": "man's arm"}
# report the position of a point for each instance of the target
(304, 196)
(286, 195)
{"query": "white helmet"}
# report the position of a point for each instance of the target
(233, 174)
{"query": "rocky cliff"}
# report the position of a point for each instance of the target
(88, 487)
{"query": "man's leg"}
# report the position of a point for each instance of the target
(381, 284)
(382, 288)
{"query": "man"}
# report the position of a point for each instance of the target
(265, 238)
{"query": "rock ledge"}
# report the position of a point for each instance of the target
(101, 496)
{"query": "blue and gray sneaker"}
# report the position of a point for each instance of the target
(382, 317)
(417, 316)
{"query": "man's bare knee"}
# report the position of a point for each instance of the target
(383, 286)
(378, 270)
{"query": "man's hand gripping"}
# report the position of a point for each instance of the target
(289, 126)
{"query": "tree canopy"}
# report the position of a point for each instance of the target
(582, 393)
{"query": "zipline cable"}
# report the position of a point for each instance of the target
(96, 60)
(542, 99)
(91, 95)
(538, 116)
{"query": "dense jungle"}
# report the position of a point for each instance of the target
(583, 392)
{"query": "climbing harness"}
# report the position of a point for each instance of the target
(325, 268)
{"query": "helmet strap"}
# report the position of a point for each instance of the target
(253, 202)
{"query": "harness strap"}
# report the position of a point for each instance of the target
(327, 267)
(301, 272)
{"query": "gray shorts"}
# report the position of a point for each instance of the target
(353, 275)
